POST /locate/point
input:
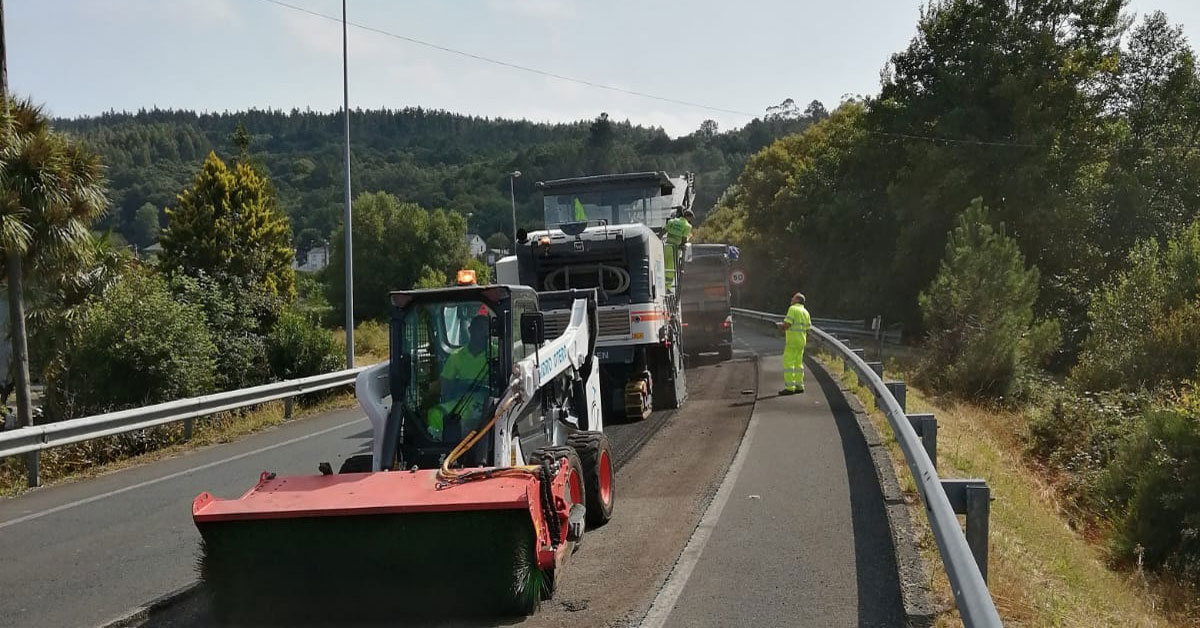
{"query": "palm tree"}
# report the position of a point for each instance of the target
(51, 191)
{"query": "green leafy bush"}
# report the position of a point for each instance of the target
(1146, 322)
(1152, 486)
(136, 346)
(238, 315)
(979, 312)
(298, 347)
(1080, 434)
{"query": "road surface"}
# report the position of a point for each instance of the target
(801, 538)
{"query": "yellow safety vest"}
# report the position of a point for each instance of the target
(799, 322)
(678, 229)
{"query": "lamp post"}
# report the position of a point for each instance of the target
(513, 195)
(349, 232)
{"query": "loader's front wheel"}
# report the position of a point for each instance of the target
(595, 454)
(576, 491)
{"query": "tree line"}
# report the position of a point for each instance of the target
(1023, 194)
(428, 157)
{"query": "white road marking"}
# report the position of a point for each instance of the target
(172, 476)
(665, 601)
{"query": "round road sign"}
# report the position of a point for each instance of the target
(737, 277)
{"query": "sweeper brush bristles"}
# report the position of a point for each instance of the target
(372, 568)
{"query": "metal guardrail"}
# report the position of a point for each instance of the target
(966, 577)
(29, 440)
(892, 334)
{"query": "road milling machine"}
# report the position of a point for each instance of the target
(605, 233)
(487, 460)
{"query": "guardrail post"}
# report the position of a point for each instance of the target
(288, 405)
(188, 426)
(877, 367)
(861, 353)
(979, 508)
(899, 392)
(32, 464)
(973, 498)
(926, 427)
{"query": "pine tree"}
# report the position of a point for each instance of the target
(229, 225)
(979, 311)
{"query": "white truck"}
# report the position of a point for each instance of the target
(605, 233)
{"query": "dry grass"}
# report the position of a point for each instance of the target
(1041, 572)
(370, 341)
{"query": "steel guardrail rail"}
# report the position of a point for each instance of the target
(970, 590)
(48, 435)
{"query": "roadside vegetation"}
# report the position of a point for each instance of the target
(220, 307)
(1023, 194)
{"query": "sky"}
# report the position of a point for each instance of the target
(82, 57)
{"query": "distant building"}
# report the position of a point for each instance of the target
(493, 255)
(152, 252)
(476, 245)
(316, 259)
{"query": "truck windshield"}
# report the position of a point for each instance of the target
(450, 352)
(615, 207)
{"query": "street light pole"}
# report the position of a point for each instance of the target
(349, 231)
(513, 195)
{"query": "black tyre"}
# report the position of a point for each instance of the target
(360, 463)
(599, 478)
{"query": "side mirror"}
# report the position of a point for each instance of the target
(533, 328)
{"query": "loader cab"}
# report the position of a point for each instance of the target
(452, 351)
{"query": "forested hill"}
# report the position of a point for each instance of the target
(434, 158)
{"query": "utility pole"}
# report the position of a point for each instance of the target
(16, 309)
(349, 231)
(512, 192)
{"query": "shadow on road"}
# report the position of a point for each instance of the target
(879, 602)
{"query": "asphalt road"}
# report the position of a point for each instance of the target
(803, 539)
(811, 549)
(84, 553)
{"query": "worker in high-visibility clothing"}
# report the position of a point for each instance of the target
(463, 382)
(677, 231)
(795, 328)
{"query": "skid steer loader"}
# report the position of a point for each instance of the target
(488, 459)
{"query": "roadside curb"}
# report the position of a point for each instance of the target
(913, 574)
(143, 613)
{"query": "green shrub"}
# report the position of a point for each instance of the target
(1079, 436)
(1154, 487)
(298, 347)
(1145, 324)
(238, 315)
(982, 338)
(310, 297)
(136, 346)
